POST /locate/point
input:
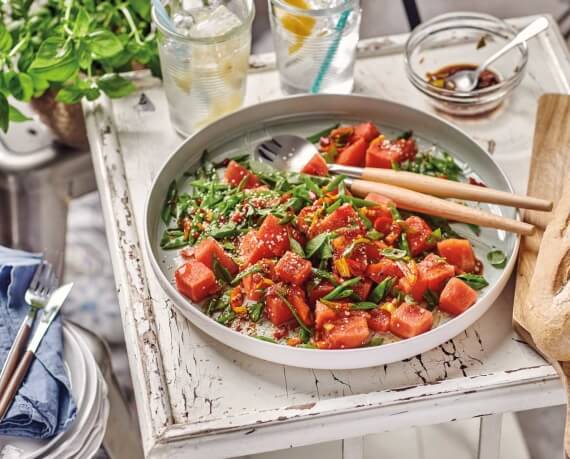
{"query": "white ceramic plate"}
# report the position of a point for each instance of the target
(95, 436)
(76, 370)
(75, 436)
(305, 115)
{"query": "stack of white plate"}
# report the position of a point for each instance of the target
(84, 436)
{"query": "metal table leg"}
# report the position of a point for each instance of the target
(490, 436)
(353, 448)
(38, 178)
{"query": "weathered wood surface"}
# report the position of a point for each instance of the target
(194, 392)
(539, 280)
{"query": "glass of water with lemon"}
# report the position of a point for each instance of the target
(204, 48)
(315, 43)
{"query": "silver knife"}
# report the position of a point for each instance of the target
(49, 314)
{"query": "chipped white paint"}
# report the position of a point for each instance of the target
(198, 398)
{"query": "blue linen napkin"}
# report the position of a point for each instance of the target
(44, 405)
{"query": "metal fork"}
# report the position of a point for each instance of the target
(42, 285)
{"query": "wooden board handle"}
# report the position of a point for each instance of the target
(565, 370)
(419, 202)
(450, 189)
(7, 397)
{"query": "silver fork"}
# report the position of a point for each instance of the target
(37, 295)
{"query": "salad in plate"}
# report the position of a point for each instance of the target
(297, 260)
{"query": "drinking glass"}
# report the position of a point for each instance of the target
(204, 53)
(315, 43)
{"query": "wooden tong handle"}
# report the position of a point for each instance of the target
(16, 351)
(450, 189)
(7, 397)
(419, 202)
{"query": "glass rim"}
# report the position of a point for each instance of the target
(346, 5)
(246, 24)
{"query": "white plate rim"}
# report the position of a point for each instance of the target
(86, 414)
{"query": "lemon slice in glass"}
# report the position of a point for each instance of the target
(300, 26)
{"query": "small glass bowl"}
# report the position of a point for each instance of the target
(464, 38)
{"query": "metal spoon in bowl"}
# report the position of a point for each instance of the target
(292, 153)
(466, 80)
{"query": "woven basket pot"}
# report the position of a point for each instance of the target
(65, 121)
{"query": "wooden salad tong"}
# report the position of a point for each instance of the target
(410, 191)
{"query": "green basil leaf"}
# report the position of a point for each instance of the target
(56, 60)
(315, 244)
(103, 44)
(296, 247)
(376, 341)
(141, 7)
(41, 85)
(20, 85)
(381, 290)
(81, 24)
(115, 86)
(84, 55)
(17, 116)
(69, 95)
(304, 336)
(220, 271)
(4, 113)
(5, 39)
(497, 258)
(431, 298)
(475, 281)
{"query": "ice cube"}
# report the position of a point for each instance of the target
(219, 22)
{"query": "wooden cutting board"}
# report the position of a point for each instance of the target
(549, 173)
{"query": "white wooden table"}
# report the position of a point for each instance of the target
(198, 398)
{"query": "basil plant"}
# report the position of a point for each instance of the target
(76, 48)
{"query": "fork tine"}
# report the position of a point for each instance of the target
(52, 283)
(264, 155)
(45, 280)
(267, 149)
(37, 274)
